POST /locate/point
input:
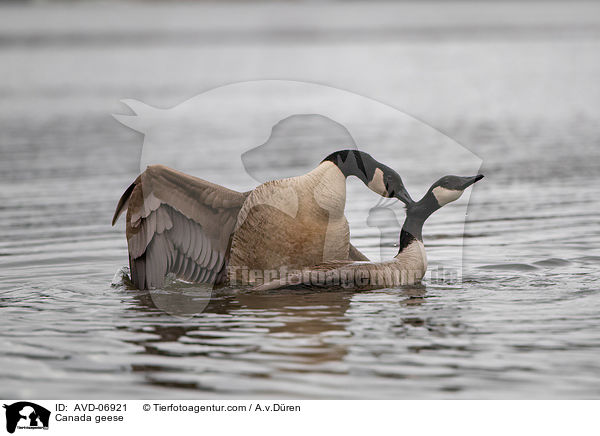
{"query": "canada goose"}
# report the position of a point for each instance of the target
(200, 231)
(406, 268)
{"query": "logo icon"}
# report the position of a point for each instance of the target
(26, 415)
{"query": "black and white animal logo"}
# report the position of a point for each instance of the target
(26, 415)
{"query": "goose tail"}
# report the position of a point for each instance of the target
(123, 202)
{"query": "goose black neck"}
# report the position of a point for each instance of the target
(354, 163)
(416, 215)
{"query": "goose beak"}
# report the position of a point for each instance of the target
(470, 180)
(404, 196)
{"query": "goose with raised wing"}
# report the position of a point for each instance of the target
(200, 231)
(406, 268)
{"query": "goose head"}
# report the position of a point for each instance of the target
(388, 183)
(380, 178)
(444, 191)
(450, 188)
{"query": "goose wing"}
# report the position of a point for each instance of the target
(177, 224)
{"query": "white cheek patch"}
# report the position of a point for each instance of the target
(376, 184)
(445, 196)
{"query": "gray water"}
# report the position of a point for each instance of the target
(515, 84)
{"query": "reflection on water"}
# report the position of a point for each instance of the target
(524, 322)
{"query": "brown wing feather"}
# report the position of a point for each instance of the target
(177, 224)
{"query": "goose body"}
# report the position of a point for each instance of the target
(406, 268)
(299, 219)
(201, 232)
